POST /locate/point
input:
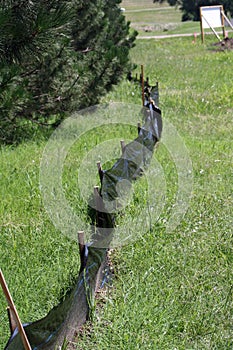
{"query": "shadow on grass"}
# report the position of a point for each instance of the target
(26, 130)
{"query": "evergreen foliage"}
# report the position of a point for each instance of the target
(58, 56)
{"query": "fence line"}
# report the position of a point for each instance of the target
(63, 321)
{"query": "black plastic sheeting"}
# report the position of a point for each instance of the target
(63, 320)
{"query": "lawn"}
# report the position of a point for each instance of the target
(155, 19)
(172, 289)
(150, 18)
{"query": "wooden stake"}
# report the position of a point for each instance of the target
(223, 25)
(81, 245)
(81, 242)
(142, 82)
(98, 199)
(11, 319)
(229, 22)
(12, 307)
(139, 127)
(202, 29)
(122, 145)
(100, 171)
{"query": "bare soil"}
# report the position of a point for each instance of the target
(225, 44)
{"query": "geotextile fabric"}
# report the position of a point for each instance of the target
(63, 321)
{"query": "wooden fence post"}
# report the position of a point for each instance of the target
(142, 83)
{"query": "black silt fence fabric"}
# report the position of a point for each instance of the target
(64, 319)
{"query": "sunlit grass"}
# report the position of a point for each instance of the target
(153, 19)
(173, 290)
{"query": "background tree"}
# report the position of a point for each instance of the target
(190, 9)
(58, 56)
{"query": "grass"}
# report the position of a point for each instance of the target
(148, 18)
(37, 260)
(174, 290)
(171, 290)
(155, 19)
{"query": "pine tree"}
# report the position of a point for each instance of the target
(103, 57)
(59, 56)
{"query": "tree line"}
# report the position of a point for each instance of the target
(58, 56)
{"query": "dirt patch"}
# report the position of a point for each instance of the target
(148, 28)
(225, 44)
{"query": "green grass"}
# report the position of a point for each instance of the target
(171, 290)
(148, 18)
(37, 261)
(158, 19)
(174, 290)
(131, 5)
(145, 15)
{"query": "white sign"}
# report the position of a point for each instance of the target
(211, 16)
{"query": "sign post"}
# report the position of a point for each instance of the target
(212, 17)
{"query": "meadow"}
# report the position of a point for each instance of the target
(170, 290)
(150, 18)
